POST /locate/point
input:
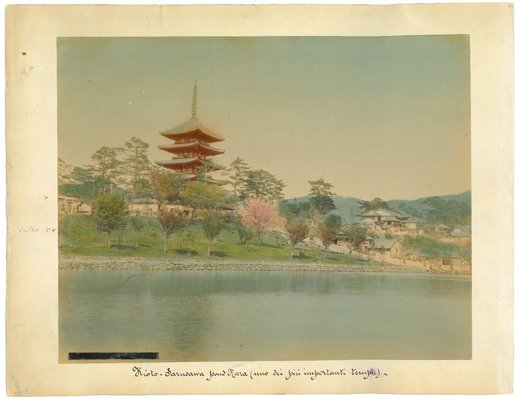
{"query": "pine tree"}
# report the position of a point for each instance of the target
(136, 165)
(321, 196)
(237, 173)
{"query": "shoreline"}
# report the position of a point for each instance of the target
(117, 263)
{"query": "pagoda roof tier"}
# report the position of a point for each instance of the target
(195, 146)
(192, 129)
(190, 162)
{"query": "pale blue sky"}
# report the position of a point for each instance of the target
(380, 116)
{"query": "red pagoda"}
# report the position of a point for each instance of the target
(191, 147)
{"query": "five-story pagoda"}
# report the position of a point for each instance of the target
(191, 148)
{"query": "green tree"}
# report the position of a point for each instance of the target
(295, 209)
(82, 184)
(355, 234)
(137, 223)
(165, 185)
(171, 220)
(212, 222)
(208, 203)
(449, 212)
(81, 175)
(374, 204)
(327, 231)
(297, 232)
(107, 167)
(261, 184)
(109, 213)
(321, 196)
(244, 234)
(200, 196)
(203, 172)
(237, 173)
(136, 164)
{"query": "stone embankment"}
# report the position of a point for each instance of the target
(181, 264)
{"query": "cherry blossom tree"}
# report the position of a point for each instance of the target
(261, 216)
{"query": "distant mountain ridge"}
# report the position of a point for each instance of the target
(349, 209)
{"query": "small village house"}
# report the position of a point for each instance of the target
(388, 248)
(461, 232)
(390, 221)
(147, 207)
(442, 229)
(72, 205)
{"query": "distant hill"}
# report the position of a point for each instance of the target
(465, 197)
(348, 207)
(417, 207)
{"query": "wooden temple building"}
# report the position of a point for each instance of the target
(191, 149)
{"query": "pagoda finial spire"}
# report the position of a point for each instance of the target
(193, 107)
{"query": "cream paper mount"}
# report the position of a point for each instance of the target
(33, 365)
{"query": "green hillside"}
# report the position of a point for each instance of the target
(78, 236)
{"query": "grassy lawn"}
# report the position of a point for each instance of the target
(143, 237)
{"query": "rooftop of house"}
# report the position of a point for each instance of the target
(384, 212)
(379, 212)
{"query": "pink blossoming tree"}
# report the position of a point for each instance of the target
(261, 216)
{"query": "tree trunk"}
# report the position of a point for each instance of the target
(292, 254)
(109, 239)
(259, 238)
(165, 248)
(134, 187)
(209, 249)
(325, 252)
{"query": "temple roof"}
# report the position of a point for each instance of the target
(380, 212)
(186, 162)
(388, 215)
(178, 147)
(180, 161)
(192, 129)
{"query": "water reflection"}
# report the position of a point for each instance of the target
(209, 315)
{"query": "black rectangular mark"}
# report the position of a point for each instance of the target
(113, 356)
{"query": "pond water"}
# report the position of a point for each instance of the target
(241, 316)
